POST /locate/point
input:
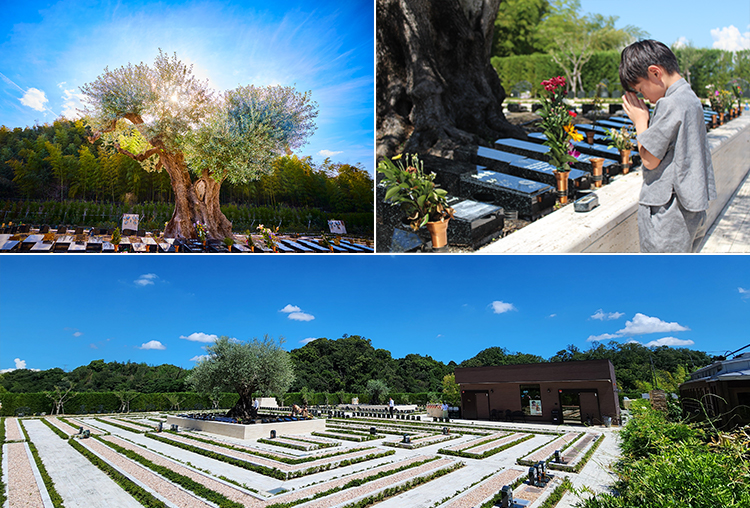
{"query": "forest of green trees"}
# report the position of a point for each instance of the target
(56, 162)
(348, 363)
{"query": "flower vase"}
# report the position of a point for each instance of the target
(439, 233)
(590, 137)
(714, 121)
(625, 161)
(721, 118)
(562, 186)
(597, 164)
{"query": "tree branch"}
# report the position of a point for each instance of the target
(141, 156)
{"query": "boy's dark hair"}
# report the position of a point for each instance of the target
(636, 59)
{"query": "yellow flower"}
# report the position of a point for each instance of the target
(573, 133)
(397, 157)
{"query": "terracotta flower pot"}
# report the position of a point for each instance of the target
(625, 161)
(597, 163)
(721, 118)
(562, 186)
(590, 137)
(439, 232)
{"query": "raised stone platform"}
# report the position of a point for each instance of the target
(612, 226)
(253, 431)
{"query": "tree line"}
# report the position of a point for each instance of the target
(348, 364)
(538, 39)
(57, 162)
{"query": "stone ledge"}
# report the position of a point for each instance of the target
(254, 431)
(612, 226)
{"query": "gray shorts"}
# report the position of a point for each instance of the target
(669, 227)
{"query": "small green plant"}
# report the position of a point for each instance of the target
(228, 242)
(621, 139)
(414, 190)
(116, 237)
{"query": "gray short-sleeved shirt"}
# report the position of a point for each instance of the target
(677, 135)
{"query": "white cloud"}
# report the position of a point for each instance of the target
(308, 340)
(669, 341)
(93, 346)
(152, 344)
(35, 99)
(607, 316)
(199, 358)
(147, 279)
(553, 315)
(501, 307)
(72, 102)
(300, 316)
(642, 325)
(328, 153)
(296, 314)
(20, 365)
(77, 334)
(681, 42)
(729, 38)
(200, 337)
(745, 293)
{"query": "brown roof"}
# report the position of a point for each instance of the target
(587, 370)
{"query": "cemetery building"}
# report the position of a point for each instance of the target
(569, 392)
(723, 391)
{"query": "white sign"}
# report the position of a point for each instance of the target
(535, 407)
(337, 227)
(130, 221)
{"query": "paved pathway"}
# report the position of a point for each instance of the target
(596, 475)
(731, 231)
(79, 483)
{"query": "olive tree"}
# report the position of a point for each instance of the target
(244, 367)
(166, 119)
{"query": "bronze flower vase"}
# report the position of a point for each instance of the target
(721, 118)
(590, 137)
(714, 121)
(439, 233)
(625, 161)
(597, 164)
(562, 186)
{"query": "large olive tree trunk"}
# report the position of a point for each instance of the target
(436, 89)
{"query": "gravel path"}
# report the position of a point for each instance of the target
(348, 495)
(268, 462)
(78, 481)
(134, 426)
(475, 441)
(485, 490)
(23, 491)
(495, 444)
(145, 477)
(546, 451)
(229, 491)
(12, 431)
(92, 430)
(573, 453)
(68, 429)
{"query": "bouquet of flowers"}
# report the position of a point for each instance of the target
(621, 139)
(269, 236)
(557, 125)
(201, 230)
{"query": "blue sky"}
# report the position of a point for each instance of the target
(49, 49)
(724, 24)
(65, 311)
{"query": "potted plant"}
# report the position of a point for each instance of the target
(325, 241)
(622, 139)
(228, 242)
(415, 191)
(116, 238)
(737, 91)
(557, 125)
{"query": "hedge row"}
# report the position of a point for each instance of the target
(106, 402)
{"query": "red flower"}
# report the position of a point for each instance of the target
(573, 114)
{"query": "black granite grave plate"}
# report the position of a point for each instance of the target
(404, 241)
(539, 152)
(529, 198)
(613, 125)
(473, 222)
(587, 127)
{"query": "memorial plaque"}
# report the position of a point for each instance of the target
(598, 129)
(529, 198)
(298, 246)
(77, 247)
(613, 125)
(313, 245)
(405, 241)
(42, 247)
(473, 222)
(358, 247)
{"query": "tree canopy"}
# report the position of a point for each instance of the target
(164, 118)
(259, 367)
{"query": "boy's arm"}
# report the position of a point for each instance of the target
(637, 111)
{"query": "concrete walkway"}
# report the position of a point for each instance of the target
(78, 481)
(597, 474)
(731, 231)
